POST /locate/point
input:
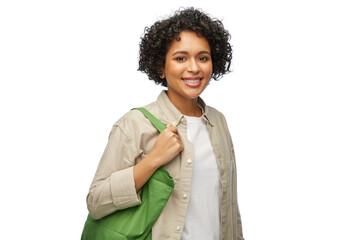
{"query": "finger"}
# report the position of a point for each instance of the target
(173, 129)
(181, 147)
(177, 137)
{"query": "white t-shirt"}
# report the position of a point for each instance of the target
(203, 214)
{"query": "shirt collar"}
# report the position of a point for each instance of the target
(172, 114)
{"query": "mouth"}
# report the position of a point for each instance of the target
(192, 81)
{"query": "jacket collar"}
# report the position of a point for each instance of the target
(172, 114)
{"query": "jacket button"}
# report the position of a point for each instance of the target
(189, 161)
(178, 228)
(185, 195)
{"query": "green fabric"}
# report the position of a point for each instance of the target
(156, 122)
(135, 223)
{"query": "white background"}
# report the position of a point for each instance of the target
(68, 71)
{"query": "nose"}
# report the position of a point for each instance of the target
(193, 66)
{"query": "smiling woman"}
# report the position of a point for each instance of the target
(183, 53)
(188, 69)
(159, 37)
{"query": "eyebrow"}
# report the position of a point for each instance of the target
(185, 52)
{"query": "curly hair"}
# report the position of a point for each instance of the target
(157, 39)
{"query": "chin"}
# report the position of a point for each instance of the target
(193, 94)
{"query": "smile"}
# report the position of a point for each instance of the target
(192, 81)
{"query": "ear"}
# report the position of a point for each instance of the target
(162, 74)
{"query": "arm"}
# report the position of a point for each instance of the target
(113, 185)
(167, 146)
(236, 217)
(118, 179)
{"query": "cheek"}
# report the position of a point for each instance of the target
(208, 70)
(173, 69)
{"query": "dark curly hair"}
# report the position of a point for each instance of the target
(157, 39)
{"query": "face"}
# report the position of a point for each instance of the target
(188, 67)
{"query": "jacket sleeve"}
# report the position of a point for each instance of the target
(236, 217)
(113, 187)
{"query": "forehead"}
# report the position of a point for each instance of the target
(189, 41)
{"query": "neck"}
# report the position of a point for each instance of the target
(188, 107)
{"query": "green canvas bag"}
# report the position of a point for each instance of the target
(135, 223)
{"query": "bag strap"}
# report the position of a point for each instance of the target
(160, 126)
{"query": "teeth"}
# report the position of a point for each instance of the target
(192, 81)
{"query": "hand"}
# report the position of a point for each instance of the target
(167, 146)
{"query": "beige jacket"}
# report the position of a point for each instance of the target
(132, 138)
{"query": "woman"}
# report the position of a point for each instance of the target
(182, 53)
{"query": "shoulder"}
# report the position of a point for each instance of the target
(215, 115)
(134, 120)
(217, 119)
(129, 118)
(134, 116)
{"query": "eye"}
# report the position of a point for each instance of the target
(203, 59)
(180, 59)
